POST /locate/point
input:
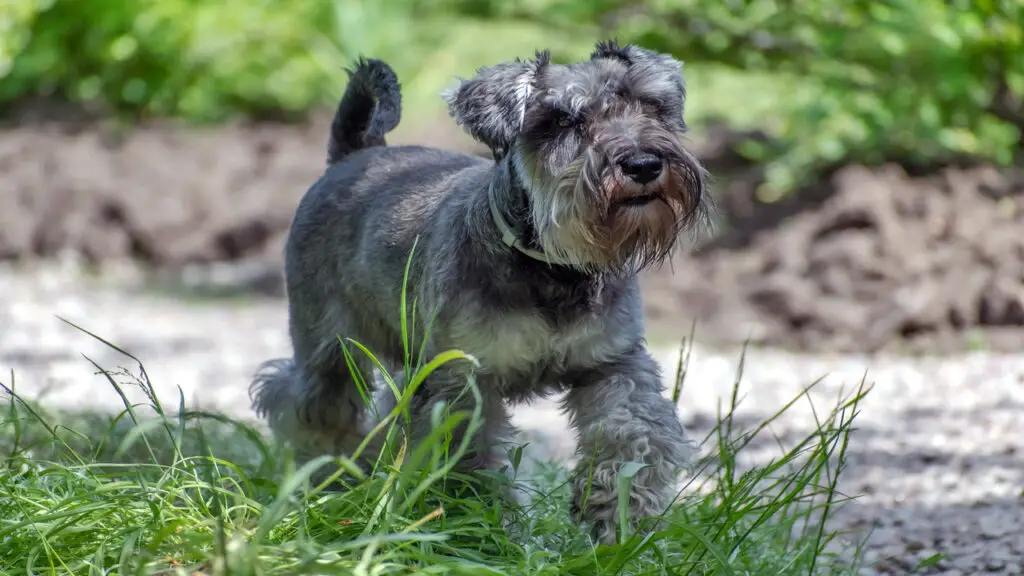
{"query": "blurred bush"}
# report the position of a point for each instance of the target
(208, 61)
(919, 81)
(188, 58)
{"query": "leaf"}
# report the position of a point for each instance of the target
(623, 484)
(930, 561)
(516, 456)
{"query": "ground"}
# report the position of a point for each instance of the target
(867, 263)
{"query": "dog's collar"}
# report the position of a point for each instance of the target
(508, 235)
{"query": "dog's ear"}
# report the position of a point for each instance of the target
(657, 75)
(491, 105)
(611, 49)
(634, 55)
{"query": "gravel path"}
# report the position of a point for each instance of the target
(937, 462)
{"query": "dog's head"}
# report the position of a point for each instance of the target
(597, 147)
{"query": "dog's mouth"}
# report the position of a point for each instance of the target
(638, 201)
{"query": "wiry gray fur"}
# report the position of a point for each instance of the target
(589, 169)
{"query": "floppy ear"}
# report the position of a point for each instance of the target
(658, 75)
(490, 106)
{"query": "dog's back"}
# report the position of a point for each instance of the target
(371, 194)
(361, 163)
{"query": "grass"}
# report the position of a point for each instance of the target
(159, 491)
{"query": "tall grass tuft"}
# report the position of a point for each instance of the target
(187, 492)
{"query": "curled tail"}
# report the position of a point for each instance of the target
(370, 108)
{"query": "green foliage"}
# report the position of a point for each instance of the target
(188, 58)
(209, 61)
(920, 81)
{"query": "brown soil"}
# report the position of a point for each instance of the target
(161, 194)
(866, 259)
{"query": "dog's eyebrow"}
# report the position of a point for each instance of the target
(655, 103)
(611, 86)
(560, 107)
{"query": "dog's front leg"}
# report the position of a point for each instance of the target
(488, 443)
(494, 431)
(620, 416)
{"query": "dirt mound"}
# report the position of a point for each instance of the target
(159, 194)
(867, 259)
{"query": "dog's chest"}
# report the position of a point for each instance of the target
(527, 331)
(525, 346)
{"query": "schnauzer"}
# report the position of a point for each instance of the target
(526, 262)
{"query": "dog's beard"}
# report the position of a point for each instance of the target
(593, 218)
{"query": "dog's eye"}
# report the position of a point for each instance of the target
(564, 119)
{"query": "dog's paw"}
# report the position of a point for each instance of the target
(595, 500)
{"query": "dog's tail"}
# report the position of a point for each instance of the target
(370, 108)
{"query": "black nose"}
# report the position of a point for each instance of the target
(642, 168)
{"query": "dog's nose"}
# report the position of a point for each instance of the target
(642, 168)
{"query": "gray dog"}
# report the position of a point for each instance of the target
(527, 262)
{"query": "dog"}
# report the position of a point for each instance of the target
(526, 261)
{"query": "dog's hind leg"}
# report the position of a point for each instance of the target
(319, 409)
